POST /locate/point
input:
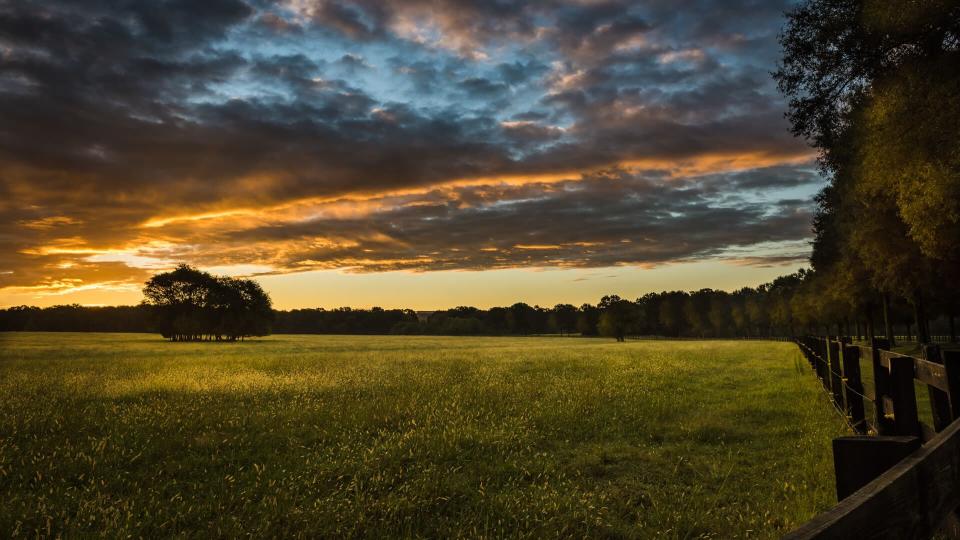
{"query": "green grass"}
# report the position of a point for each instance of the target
(334, 436)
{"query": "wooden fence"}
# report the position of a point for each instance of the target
(933, 339)
(899, 477)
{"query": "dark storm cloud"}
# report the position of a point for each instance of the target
(113, 114)
(519, 72)
(478, 87)
(352, 63)
(601, 221)
(773, 178)
(355, 21)
(594, 30)
(523, 132)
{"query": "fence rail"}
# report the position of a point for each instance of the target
(933, 339)
(898, 477)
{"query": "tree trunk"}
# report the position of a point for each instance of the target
(887, 324)
(953, 328)
(909, 332)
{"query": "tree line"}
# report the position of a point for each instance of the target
(874, 86)
(781, 308)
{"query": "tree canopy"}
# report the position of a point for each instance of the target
(190, 305)
(875, 87)
(835, 50)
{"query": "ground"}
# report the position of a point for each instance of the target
(347, 436)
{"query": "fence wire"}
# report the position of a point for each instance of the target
(843, 382)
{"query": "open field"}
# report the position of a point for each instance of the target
(409, 436)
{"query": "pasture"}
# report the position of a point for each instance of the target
(355, 436)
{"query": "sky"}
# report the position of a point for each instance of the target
(415, 153)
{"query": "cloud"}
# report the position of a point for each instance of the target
(383, 135)
(478, 87)
(603, 220)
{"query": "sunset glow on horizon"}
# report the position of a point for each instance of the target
(397, 154)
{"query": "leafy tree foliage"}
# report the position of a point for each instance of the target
(190, 305)
(564, 318)
(76, 318)
(911, 152)
(875, 86)
(834, 50)
(618, 317)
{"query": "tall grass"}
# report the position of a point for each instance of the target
(409, 436)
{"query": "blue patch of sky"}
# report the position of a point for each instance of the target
(384, 79)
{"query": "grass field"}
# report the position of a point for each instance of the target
(341, 436)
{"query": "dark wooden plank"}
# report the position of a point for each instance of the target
(853, 388)
(905, 418)
(823, 364)
(951, 363)
(932, 362)
(927, 432)
(885, 357)
(836, 378)
(881, 385)
(931, 373)
(910, 500)
(858, 460)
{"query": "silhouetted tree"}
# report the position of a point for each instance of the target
(587, 320)
(564, 318)
(191, 305)
(618, 317)
(671, 312)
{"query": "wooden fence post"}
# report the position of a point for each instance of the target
(853, 388)
(881, 388)
(836, 379)
(909, 501)
(939, 400)
(951, 364)
(858, 460)
(821, 362)
(904, 397)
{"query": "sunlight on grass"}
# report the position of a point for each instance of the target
(409, 436)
